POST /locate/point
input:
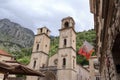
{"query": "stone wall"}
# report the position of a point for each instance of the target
(82, 73)
(107, 26)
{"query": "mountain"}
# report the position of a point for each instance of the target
(13, 36)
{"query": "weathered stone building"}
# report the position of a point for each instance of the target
(94, 68)
(62, 65)
(107, 25)
(3, 57)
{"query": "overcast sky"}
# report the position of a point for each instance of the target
(34, 14)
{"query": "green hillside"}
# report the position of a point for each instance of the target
(24, 55)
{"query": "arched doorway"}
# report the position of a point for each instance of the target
(49, 75)
(116, 54)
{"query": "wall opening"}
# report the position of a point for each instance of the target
(34, 64)
(37, 47)
(116, 54)
(64, 62)
(43, 65)
(47, 31)
(41, 30)
(65, 42)
(66, 24)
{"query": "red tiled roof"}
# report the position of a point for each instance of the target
(4, 53)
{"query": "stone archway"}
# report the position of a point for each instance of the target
(116, 54)
(49, 75)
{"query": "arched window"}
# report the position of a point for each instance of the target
(34, 64)
(64, 62)
(65, 42)
(66, 24)
(37, 47)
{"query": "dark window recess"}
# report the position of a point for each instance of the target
(41, 30)
(118, 68)
(34, 64)
(115, 53)
(66, 24)
(43, 65)
(64, 62)
(97, 78)
(37, 47)
(47, 31)
(65, 42)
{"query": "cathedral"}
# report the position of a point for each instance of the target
(62, 65)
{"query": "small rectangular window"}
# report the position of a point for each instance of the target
(65, 42)
(64, 62)
(34, 64)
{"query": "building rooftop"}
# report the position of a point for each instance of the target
(68, 18)
(4, 53)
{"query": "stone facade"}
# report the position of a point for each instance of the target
(67, 51)
(107, 26)
(82, 73)
(39, 57)
(62, 65)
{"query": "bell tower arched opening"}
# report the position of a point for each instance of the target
(66, 24)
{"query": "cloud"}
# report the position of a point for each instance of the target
(38, 13)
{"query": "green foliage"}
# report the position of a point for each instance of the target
(85, 35)
(81, 37)
(24, 60)
(54, 46)
(82, 60)
(23, 55)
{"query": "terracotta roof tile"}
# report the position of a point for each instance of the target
(4, 53)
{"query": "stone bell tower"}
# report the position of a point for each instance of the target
(39, 57)
(67, 50)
